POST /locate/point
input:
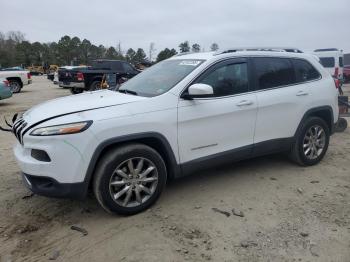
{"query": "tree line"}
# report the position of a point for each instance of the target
(15, 50)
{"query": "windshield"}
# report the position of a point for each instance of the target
(161, 77)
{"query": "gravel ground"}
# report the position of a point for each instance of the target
(282, 212)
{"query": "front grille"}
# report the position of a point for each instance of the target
(17, 129)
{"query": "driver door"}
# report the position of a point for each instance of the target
(221, 125)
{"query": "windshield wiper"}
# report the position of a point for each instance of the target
(127, 91)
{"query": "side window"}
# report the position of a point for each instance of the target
(341, 64)
(327, 62)
(127, 68)
(273, 72)
(227, 79)
(305, 71)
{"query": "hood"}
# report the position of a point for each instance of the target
(76, 103)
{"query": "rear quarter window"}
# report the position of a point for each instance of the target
(305, 71)
(327, 62)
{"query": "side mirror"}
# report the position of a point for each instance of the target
(198, 91)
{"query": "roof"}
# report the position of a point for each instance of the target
(239, 52)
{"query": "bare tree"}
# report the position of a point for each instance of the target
(15, 36)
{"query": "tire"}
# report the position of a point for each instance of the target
(15, 86)
(299, 153)
(121, 198)
(95, 85)
(76, 91)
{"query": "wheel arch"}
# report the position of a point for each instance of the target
(323, 112)
(15, 78)
(151, 139)
(94, 79)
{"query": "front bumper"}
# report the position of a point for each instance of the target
(71, 84)
(49, 187)
(55, 165)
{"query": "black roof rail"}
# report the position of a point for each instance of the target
(326, 49)
(272, 49)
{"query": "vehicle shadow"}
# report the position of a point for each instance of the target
(23, 91)
(3, 103)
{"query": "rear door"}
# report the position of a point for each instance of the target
(284, 89)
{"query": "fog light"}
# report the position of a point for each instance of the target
(40, 155)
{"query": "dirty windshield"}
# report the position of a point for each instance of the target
(161, 77)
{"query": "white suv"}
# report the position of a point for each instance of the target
(188, 112)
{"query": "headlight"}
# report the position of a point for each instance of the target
(71, 128)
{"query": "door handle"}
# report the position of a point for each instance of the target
(302, 93)
(245, 103)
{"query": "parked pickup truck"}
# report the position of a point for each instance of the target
(67, 74)
(17, 78)
(89, 78)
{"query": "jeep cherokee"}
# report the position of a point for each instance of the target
(188, 112)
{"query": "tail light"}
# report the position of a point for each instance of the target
(336, 73)
(29, 76)
(337, 83)
(80, 76)
(6, 83)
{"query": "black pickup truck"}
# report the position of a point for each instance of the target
(89, 78)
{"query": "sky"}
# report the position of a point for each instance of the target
(304, 24)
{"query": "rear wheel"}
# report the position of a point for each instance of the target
(75, 90)
(311, 143)
(129, 179)
(95, 85)
(15, 86)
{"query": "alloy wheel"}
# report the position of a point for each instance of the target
(314, 142)
(15, 86)
(133, 182)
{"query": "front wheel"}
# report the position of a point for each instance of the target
(129, 179)
(311, 143)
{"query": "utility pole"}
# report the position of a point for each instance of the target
(151, 51)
